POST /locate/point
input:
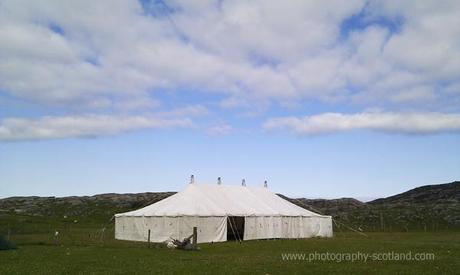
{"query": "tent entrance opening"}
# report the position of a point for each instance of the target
(235, 228)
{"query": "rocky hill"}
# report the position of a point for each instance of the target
(431, 207)
(438, 193)
(101, 206)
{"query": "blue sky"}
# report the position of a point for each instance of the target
(353, 99)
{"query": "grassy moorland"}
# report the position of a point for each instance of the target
(426, 208)
(422, 220)
(87, 249)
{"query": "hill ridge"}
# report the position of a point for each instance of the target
(436, 206)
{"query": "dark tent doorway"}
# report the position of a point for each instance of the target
(235, 228)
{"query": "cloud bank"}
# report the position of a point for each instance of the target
(278, 51)
(411, 123)
(243, 57)
(49, 127)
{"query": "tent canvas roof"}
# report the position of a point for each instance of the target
(222, 200)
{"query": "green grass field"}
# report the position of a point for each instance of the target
(86, 251)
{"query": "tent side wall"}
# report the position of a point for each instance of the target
(135, 228)
(325, 229)
(287, 227)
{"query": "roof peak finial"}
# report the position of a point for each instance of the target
(192, 179)
(243, 182)
(265, 184)
(219, 180)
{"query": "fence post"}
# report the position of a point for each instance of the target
(195, 235)
(149, 238)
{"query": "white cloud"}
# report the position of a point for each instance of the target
(273, 30)
(193, 110)
(137, 103)
(417, 93)
(126, 52)
(220, 129)
(54, 127)
(408, 123)
(453, 88)
(428, 40)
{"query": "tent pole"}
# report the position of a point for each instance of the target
(231, 227)
(237, 233)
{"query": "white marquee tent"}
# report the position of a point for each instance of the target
(220, 212)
